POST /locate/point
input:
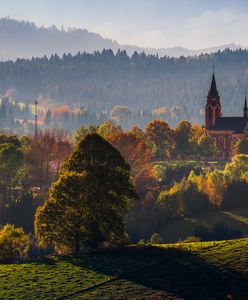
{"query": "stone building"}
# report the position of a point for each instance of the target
(225, 131)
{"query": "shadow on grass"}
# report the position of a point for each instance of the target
(174, 271)
(48, 261)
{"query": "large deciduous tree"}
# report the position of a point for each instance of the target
(183, 134)
(160, 137)
(135, 152)
(87, 204)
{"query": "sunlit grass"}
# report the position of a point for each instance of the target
(163, 270)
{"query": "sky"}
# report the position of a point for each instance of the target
(193, 24)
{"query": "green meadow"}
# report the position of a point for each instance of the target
(203, 270)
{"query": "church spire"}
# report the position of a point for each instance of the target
(245, 109)
(213, 106)
(213, 89)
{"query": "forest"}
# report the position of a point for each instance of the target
(144, 86)
(52, 182)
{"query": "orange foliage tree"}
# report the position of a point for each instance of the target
(44, 153)
(135, 152)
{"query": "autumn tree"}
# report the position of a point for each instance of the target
(241, 147)
(207, 148)
(44, 154)
(11, 171)
(87, 204)
(183, 134)
(82, 132)
(107, 129)
(135, 152)
(160, 137)
(14, 244)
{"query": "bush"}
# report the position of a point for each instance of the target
(141, 242)
(192, 239)
(155, 239)
(14, 244)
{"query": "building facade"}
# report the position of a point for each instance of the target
(225, 131)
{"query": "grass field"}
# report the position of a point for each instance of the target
(205, 270)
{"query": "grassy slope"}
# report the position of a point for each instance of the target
(208, 271)
(182, 228)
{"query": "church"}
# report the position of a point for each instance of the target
(225, 131)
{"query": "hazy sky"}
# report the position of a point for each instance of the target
(150, 23)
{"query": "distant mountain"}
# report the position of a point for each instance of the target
(21, 39)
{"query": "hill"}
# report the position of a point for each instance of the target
(173, 271)
(23, 39)
(99, 81)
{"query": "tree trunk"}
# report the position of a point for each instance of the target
(76, 245)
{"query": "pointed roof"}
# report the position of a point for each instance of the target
(213, 89)
(245, 106)
(245, 109)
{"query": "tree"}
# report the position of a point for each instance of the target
(155, 239)
(82, 132)
(44, 154)
(184, 199)
(14, 244)
(11, 166)
(241, 147)
(183, 134)
(108, 129)
(122, 115)
(237, 167)
(135, 152)
(87, 204)
(160, 136)
(207, 147)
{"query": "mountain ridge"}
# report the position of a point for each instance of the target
(24, 39)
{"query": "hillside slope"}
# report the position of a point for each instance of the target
(181, 271)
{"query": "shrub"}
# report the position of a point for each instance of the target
(14, 244)
(141, 242)
(192, 239)
(155, 239)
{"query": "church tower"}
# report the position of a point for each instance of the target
(213, 106)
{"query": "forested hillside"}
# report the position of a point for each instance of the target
(100, 81)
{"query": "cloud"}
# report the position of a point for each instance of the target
(215, 28)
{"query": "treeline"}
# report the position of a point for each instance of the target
(141, 82)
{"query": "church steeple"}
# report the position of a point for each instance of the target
(245, 109)
(213, 106)
(213, 89)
